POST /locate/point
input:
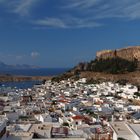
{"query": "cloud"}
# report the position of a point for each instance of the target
(102, 9)
(81, 4)
(51, 22)
(74, 13)
(20, 7)
(69, 22)
(17, 57)
(88, 13)
(34, 54)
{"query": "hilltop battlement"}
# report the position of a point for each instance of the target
(129, 53)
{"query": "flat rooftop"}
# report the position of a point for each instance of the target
(135, 128)
(121, 128)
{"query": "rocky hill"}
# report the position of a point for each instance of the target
(115, 65)
(113, 61)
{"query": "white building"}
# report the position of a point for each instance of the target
(3, 122)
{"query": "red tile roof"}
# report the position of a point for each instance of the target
(78, 117)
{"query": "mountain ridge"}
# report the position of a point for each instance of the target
(4, 66)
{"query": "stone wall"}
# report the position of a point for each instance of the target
(129, 53)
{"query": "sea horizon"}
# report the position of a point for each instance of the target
(30, 72)
(35, 72)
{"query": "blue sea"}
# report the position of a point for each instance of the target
(30, 72)
(36, 72)
(19, 85)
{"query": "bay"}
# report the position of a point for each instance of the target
(30, 72)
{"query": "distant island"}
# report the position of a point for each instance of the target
(5, 76)
(4, 66)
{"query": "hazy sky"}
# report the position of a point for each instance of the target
(61, 33)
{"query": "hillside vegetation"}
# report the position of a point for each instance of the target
(115, 69)
(113, 66)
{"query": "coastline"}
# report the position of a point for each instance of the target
(30, 74)
(15, 78)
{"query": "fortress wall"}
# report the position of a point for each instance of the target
(137, 53)
(105, 54)
(129, 53)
